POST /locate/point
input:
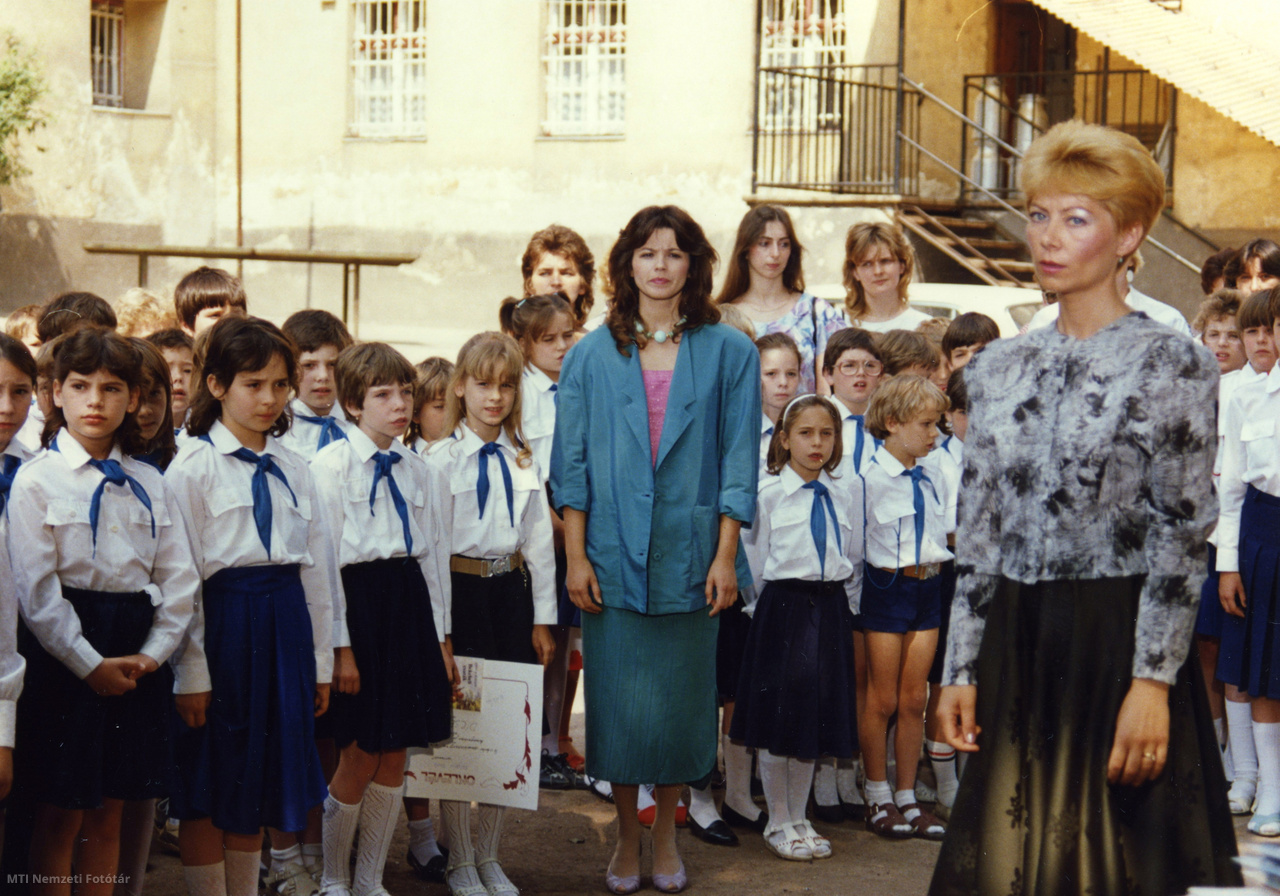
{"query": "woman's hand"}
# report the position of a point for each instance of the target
(957, 707)
(1231, 593)
(1142, 734)
(193, 707)
(722, 584)
(544, 645)
(346, 677)
(580, 580)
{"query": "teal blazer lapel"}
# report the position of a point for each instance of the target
(681, 399)
(635, 408)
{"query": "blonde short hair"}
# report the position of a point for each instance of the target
(1109, 166)
(901, 398)
(141, 312)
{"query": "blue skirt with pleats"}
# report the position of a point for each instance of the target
(254, 763)
(1249, 655)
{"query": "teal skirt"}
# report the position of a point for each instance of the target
(650, 685)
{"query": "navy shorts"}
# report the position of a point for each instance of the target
(899, 604)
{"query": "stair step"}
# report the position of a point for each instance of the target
(1011, 265)
(972, 224)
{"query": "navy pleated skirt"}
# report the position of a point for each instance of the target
(254, 764)
(404, 697)
(1249, 655)
(731, 646)
(79, 748)
(796, 694)
(1210, 618)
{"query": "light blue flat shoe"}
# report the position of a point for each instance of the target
(1265, 825)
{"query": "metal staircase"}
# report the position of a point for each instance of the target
(974, 243)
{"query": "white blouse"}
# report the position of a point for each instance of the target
(303, 436)
(946, 461)
(12, 665)
(344, 472)
(214, 493)
(538, 410)
(51, 546)
(850, 426)
(909, 319)
(891, 527)
(780, 545)
(1250, 456)
(453, 467)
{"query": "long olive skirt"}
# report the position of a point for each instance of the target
(1035, 814)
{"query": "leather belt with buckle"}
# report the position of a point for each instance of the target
(486, 568)
(923, 571)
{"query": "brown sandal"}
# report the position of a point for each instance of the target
(884, 820)
(927, 825)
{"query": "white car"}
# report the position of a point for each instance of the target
(1011, 307)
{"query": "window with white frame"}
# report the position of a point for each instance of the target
(389, 68)
(801, 38)
(585, 67)
(106, 51)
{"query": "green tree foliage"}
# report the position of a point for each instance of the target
(21, 87)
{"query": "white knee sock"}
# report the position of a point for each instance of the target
(1266, 739)
(799, 780)
(1240, 733)
(137, 825)
(242, 872)
(422, 840)
(205, 880)
(282, 857)
(340, 820)
(906, 798)
(1220, 732)
(487, 842)
(737, 779)
(942, 756)
(824, 783)
(379, 814)
(702, 806)
(457, 818)
(773, 775)
(313, 858)
(644, 798)
(847, 781)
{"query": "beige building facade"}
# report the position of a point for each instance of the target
(452, 130)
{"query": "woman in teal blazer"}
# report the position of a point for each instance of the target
(654, 468)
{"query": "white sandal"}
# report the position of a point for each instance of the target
(1240, 796)
(819, 846)
(495, 879)
(786, 841)
(465, 887)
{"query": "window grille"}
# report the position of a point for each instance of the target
(106, 46)
(389, 68)
(801, 32)
(585, 62)
(808, 37)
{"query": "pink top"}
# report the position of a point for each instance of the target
(657, 386)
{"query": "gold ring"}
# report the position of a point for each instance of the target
(1150, 757)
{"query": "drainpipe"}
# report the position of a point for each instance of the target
(239, 148)
(900, 98)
